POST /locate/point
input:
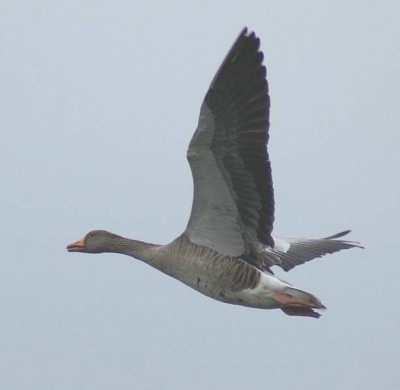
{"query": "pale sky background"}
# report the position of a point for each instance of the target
(99, 102)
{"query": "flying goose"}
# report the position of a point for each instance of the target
(227, 250)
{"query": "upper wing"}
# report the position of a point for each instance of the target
(233, 203)
(295, 251)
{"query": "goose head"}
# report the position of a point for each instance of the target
(96, 241)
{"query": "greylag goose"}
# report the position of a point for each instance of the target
(227, 250)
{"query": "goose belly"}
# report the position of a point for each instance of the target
(260, 295)
(255, 298)
(226, 279)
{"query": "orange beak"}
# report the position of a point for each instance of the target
(78, 246)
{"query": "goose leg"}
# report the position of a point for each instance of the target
(293, 306)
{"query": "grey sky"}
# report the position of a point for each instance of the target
(99, 102)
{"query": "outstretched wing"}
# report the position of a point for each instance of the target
(295, 251)
(233, 203)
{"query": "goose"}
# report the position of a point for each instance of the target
(227, 250)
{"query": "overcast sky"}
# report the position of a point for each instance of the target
(99, 102)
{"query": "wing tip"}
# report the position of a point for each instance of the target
(338, 235)
(355, 244)
(249, 34)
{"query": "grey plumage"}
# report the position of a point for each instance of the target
(227, 249)
(292, 252)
